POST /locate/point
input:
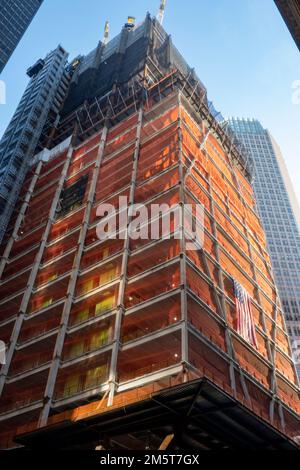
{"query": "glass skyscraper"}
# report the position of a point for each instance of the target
(280, 215)
(15, 17)
(37, 110)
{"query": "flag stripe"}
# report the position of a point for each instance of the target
(245, 322)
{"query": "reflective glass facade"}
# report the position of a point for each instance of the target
(15, 17)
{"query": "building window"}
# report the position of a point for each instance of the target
(72, 196)
(105, 305)
(82, 315)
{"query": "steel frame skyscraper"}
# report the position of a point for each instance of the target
(280, 215)
(128, 342)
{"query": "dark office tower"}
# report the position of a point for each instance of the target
(141, 342)
(38, 108)
(15, 17)
(290, 11)
(280, 215)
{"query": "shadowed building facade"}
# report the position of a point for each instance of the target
(290, 12)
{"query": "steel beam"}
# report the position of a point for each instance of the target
(57, 355)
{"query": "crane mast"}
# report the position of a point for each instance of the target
(161, 12)
(106, 33)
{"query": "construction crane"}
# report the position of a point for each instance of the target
(130, 22)
(161, 12)
(106, 33)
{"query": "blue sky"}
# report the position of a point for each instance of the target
(240, 49)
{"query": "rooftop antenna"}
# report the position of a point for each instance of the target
(161, 12)
(106, 33)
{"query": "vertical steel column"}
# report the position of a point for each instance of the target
(253, 268)
(34, 270)
(271, 354)
(49, 390)
(20, 218)
(187, 173)
(183, 283)
(126, 250)
(274, 336)
(221, 305)
(270, 348)
(228, 338)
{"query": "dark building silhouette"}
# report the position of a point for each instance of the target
(290, 12)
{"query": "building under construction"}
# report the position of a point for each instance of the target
(134, 344)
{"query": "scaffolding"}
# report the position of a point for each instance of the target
(90, 317)
(95, 326)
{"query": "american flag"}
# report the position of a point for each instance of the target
(245, 323)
